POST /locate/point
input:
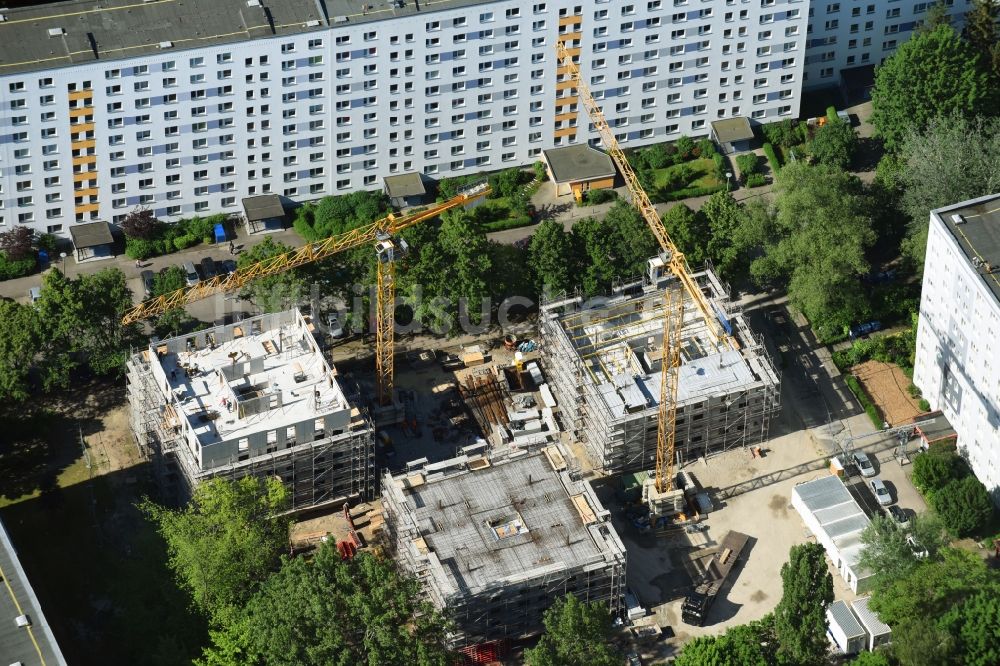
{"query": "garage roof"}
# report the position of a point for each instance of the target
(732, 129)
(571, 164)
(91, 234)
(263, 207)
(405, 185)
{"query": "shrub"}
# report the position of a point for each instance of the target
(866, 403)
(508, 223)
(831, 114)
(747, 163)
(139, 248)
(540, 173)
(935, 469)
(772, 158)
(964, 505)
(720, 165)
(685, 145)
(185, 241)
(140, 223)
(16, 243)
(706, 147)
(14, 269)
(924, 405)
(658, 157)
(48, 242)
(594, 197)
(689, 192)
(756, 180)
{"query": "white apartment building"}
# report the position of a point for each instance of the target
(958, 337)
(188, 106)
(854, 35)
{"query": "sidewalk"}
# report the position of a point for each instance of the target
(17, 289)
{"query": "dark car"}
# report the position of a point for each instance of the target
(227, 266)
(208, 269)
(148, 278)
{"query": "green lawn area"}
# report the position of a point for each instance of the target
(702, 174)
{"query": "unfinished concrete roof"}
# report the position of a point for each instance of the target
(732, 129)
(405, 185)
(263, 207)
(977, 234)
(71, 33)
(91, 234)
(496, 524)
(578, 162)
(22, 645)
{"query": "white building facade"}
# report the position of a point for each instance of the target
(958, 335)
(188, 107)
(854, 34)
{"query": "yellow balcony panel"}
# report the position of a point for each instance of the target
(84, 175)
(570, 37)
(564, 117)
(566, 101)
(565, 131)
(81, 111)
(81, 94)
(76, 128)
(569, 20)
(86, 208)
(574, 52)
(85, 143)
(86, 192)
(565, 85)
(84, 159)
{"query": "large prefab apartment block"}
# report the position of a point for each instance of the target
(958, 353)
(603, 356)
(256, 397)
(495, 542)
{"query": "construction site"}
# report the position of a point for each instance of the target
(604, 357)
(496, 539)
(256, 397)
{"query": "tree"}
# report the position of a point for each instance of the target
(885, 551)
(932, 74)
(870, 659)
(822, 235)
(275, 292)
(575, 633)
(953, 159)
(551, 256)
(736, 232)
(506, 183)
(168, 281)
(140, 223)
(16, 243)
(616, 247)
(20, 343)
(964, 505)
(690, 231)
(469, 266)
(935, 469)
(226, 541)
(981, 32)
(833, 144)
(800, 617)
(337, 214)
(975, 625)
(920, 641)
(750, 644)
(330, 611)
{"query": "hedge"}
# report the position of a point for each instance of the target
(772, 158)
(831, 114)
(15, 269)
(175, 236)
(689, 192)
(756, 180)
(866, 403)
(509, 223)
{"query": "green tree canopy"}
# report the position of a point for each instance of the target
(932, 74)
(575, 633)
(964, 505)
(337, 214)
(746, 644)
(886, 552)
(981, 32)
(20, 343)
(834, 144)
(226, 541)
(736, 233)
(16, 244)
(690, 231)
(800, 618)
(329, 611)
(934, 469)
(274, 292)
(616, 247)
(871, 659)
(975, 624)
(823, 233)
(552, 258)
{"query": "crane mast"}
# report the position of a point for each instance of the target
(381, 234)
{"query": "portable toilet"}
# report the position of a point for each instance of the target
(844, 630)
(220, 233)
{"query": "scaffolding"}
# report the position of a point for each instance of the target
(310, 435)
(604, 358)
(496, 541)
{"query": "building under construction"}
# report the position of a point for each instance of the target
(603, 358)
(253, 397)
(496, 541)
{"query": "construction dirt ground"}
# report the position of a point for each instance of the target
(886, 384)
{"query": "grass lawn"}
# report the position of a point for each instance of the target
(703, 174)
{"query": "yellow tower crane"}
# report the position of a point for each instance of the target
(672, 259)
(382, 234)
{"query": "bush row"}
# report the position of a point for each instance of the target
(15, 269)
(859, 392)
(756, 180)
(509, 223)
(689, 192)
(175, 236)
(595, 197)
(772, 158)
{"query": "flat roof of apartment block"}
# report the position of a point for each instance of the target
(975, 225)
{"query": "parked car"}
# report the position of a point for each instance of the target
(227, 266)
(34, 294)
(881, 492)
(208, 269)
(334, 325)
(148, 279)
(864, 463)
(191, 276)
(900, 517)
(918, 551)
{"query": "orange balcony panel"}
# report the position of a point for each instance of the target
(570, 37)
(76, 128)
(562, 70)
(86, 143)
(86, 208)
(87, 192)
(569, 20)
(84, 175)
(81, 111)
(566, 101)
(565, 85)
(565, 117)
(566, 131)
(574, 52)
(81, 94)
(84, 159)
